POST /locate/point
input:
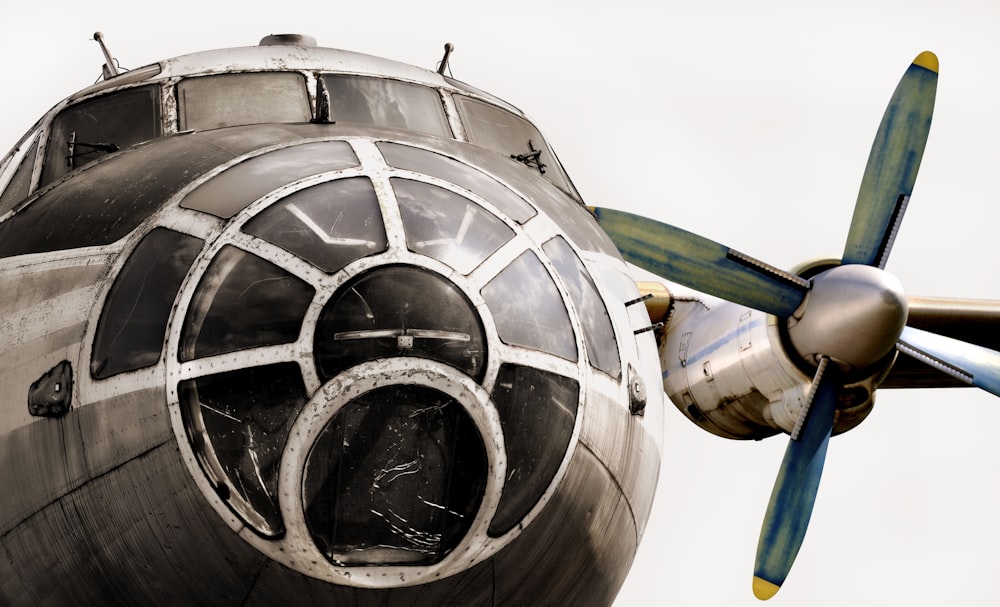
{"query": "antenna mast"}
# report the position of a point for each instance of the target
(110, 70)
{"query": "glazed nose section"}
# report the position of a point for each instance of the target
(377, 368)
(397, 476)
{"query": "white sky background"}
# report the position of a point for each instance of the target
(748, 123)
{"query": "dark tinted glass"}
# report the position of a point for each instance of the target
(133, 323)
(510, 135)
(399, 311)
(84, 132)
(537, 412)
(238, 423)
(243, 302)
(395, 479)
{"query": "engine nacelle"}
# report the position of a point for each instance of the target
(728, 369)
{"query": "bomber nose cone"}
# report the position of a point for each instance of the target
(854, 314)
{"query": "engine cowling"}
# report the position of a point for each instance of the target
(732, 371)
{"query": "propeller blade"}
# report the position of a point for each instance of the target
(971, 364)
(893, 164)
(794, 492)
(697, 262)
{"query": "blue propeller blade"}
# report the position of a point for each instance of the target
(794, 492)
(893, 164)
(975, 365)
(697, 262)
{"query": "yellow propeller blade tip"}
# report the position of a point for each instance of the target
(927, 60)
(763, 589)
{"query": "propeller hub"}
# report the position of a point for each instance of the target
(853, 314)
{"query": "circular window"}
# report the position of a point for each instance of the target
(395, 478)
(399, 311)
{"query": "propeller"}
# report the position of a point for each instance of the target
(846, 318)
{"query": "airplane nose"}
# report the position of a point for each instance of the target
(378, 368)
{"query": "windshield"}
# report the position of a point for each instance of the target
(384, 102)
(510, 135)
(84, 132)
(213, 102)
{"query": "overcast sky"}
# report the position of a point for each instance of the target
(748, 123)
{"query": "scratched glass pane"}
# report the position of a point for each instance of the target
(599, 335)
(242, 302)
(330, 225)
(133, 322)
(239, 422)
(528, 309)
(447, 226)
(537, 412)
(395, 479)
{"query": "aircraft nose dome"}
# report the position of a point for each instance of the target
(379, 369)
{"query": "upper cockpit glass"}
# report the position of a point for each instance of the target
(84, 132)
(384, 102)
(510, 135)
(214, 102)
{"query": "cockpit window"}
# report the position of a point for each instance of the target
(330, 225)
(384, 102)
(528, 309)
(602, 347)
(509, 134)
(134, 320)
(214, 102)
(447, 226)
(85, 132)
(243, 302)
